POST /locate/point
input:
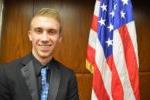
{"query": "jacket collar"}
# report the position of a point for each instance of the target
(28, 74)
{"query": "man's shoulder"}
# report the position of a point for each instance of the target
(11, 63)
(15, 62)
(63, 68)
(9, 67)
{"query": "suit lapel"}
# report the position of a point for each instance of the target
(30, 79)
(54, 82)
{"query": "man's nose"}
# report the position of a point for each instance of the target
(45, 36)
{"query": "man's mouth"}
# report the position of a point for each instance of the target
(45, 47)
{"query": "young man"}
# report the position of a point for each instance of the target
(38, 76)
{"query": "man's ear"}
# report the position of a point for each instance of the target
(29, 35)
(60, 39)
(60, 36)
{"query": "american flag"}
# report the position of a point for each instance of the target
(112, 54)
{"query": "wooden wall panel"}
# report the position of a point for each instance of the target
(14, 35)
(84, 86)
(143, 32)
(142, 21)
(145, 85)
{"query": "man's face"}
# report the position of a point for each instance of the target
(44, 35)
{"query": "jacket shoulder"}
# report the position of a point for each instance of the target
(66, 72)
(10, 64)
(17, 61)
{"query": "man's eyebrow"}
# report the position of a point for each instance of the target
(37, 27)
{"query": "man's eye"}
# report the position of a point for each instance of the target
(38, 30)
(52, 31)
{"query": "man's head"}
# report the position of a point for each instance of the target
(45, 32)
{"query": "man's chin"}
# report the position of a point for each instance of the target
(45, 55)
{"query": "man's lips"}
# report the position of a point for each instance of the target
(45, 44)
(45, 47)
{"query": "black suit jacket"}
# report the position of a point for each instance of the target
(18, 81)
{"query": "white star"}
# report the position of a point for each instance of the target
(122, 14)
(109, 42)
(111, 27)
(102, 21)
(125, 2)
(115, 6)
(104, 7)
(112, 13)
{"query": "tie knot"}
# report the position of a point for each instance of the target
(44, 73)
(43, 70)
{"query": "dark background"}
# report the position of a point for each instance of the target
(77, 17)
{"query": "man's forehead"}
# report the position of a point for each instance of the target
(44, 21)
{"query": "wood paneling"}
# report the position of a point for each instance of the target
(84, 86)
(16, 23)
(142, 24)
(144, 85)
(142, 21)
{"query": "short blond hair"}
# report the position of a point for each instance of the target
(48, 12)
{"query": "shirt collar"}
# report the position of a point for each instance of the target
(38, 65)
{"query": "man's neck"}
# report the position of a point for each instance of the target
(42, 60)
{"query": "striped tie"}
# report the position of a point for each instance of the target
(44, 84)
